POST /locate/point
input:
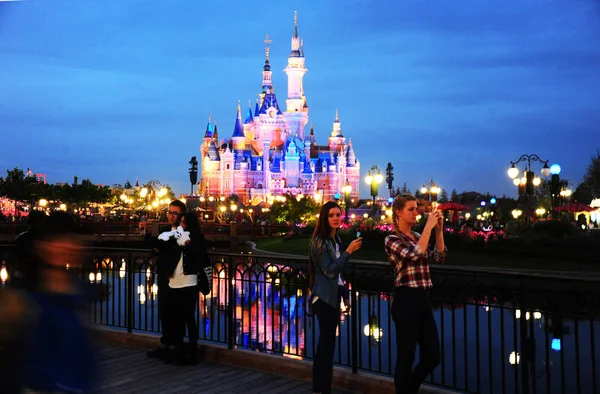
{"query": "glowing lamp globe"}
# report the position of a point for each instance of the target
(513, 172)
(546, 170)
(555, 169)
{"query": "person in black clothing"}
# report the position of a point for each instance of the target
(184, 283)
(168, 256)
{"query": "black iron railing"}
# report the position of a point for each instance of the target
(500, 331)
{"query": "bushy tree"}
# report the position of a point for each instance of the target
(453, 195)
(443, 197)
(589, 188)
(292, 210)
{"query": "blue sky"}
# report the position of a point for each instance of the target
(453, 90)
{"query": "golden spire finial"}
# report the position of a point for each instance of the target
(295, 18)
(209, 117)
(267, 42)
(239, 106)
(337, 115)
(249, 103)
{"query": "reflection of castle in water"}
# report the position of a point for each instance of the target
(269, 314)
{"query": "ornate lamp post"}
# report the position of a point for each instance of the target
(527, 183)
(347, 189)
(373, 179)
(193, 172)
(431, 191)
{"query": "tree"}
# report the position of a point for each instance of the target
(443, 196)
(128, 185)
(293, 210)
(583, 193)
(590, 187)
(453, 195)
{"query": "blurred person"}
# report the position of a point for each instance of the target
(26, 269)
(168, 252)
(44, 343)
(410, 254)
(326, 261)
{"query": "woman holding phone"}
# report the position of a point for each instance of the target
(410, 254)
(325, 263)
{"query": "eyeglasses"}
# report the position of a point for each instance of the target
(173, 213)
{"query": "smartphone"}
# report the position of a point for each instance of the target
(358, 234)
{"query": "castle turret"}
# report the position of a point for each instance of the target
(238, 139)
(336, 138)
(350, 155)
(215, 134)
(208, 136)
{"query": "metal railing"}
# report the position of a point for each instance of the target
(500, 331)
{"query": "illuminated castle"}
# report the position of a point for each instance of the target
(269, 152)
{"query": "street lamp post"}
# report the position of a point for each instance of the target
(527, 183)
(373, 179)
(347, 189)
(431, 191)
(193, 172)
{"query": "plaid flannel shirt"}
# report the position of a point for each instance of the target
(411, 264)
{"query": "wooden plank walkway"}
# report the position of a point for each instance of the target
(128, 370)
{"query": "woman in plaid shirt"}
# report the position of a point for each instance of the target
(411, 255)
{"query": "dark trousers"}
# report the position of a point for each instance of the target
(163, 301)
(414, 323)
(182, 314)
(328, 317)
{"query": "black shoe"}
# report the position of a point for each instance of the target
(171, 356)
(159, 352)
(187, 360)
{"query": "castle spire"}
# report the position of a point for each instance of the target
(267, 83)
(209, 129)
(267, 42)
(295, 39)
(295, 23)
(238, 129)
(249, 116)
(337, 126)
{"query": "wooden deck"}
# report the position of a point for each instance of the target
(128, 370)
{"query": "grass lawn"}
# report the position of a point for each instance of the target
(299, 246)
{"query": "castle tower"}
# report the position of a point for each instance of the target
(336, 138)
(296, 114)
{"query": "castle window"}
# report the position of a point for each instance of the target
(228, 166)
(227, 184)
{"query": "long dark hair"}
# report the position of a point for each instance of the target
(323, 232)
(192, 224)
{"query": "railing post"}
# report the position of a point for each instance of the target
(230, 304)
(130, 293)
(525, 350)
(354, 320)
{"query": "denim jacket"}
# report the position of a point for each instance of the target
(326, 269)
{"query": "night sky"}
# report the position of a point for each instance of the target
(116, 90)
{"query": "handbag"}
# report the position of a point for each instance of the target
(205, 280)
